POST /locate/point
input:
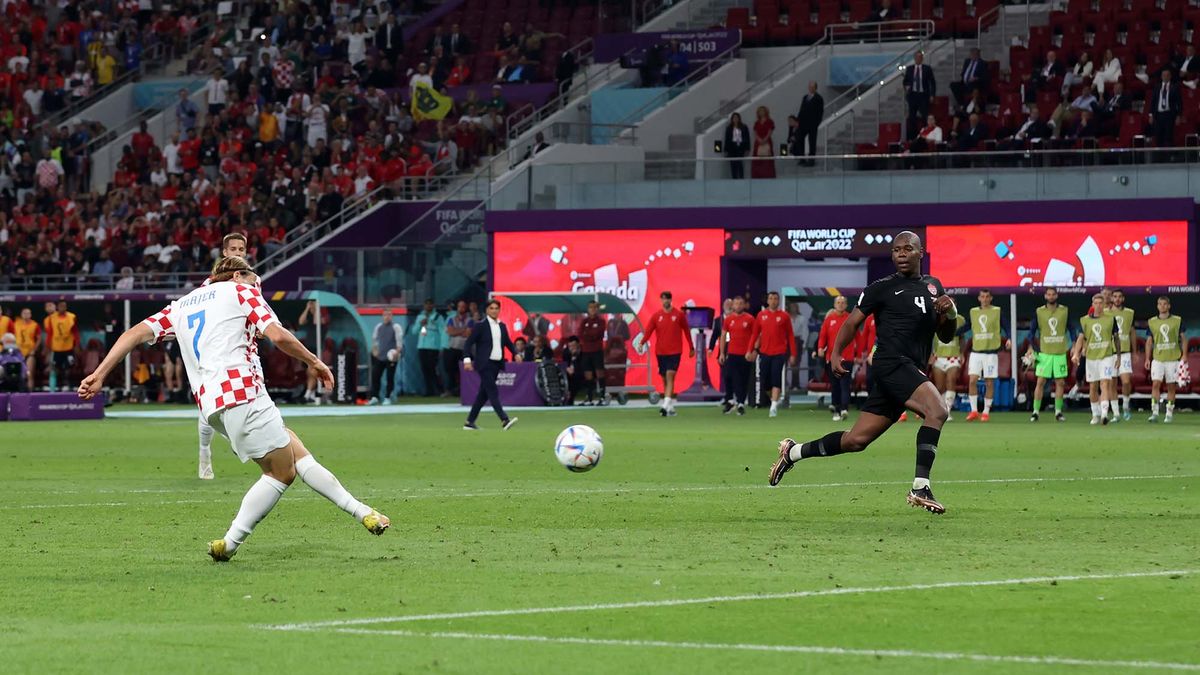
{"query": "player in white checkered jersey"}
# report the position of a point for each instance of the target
(232, 244)
(215, 326)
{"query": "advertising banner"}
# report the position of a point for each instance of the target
(1131, 253)
(697, 45)
(819, 242)
(634, 265)
(517, 385)
(54, 406)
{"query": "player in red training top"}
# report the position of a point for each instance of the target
(672, 327)
(591, 359)
(735, 343)
(839, 387)
(775, 343)
(215, 326)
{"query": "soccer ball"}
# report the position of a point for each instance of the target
(579, 448)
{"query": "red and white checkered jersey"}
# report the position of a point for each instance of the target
(216, 326)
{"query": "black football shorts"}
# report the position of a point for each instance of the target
(891, 386)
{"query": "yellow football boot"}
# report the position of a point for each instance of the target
(375, 522)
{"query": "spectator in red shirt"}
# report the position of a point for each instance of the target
(735, 344)
(774, 341)
(591, 343)
(671, 325)
(839, 386)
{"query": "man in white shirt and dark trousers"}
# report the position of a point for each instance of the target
(387, 345)
(485, 354)
(1165, 106)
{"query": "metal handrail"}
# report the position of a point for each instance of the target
(326, 227)
(709, 67)
(883, 31)
(1000, 16)
(749, 93)
(88, 282)
(878, 79)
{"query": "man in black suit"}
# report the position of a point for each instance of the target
(459, 43)
(389, 38)
(1049, 70)
(1085, 127)
(1165, 104)
(1189, 66)
(812, 111)
(973, 77)
(438, 39)
(1110, 112)
(485, 354)
(919, 87)
(974, 135)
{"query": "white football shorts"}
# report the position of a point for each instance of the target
(1164, 371)
(986, 366)
(1125, 367)
(253, 429)
(945, 363)
(1102, 369)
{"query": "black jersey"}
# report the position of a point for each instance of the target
(905, 320)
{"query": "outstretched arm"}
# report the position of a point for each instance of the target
(129, 340)
(846, 334)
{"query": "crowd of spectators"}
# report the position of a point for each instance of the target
(314, 114)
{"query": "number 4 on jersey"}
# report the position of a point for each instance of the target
(194, 319)
(919, 301)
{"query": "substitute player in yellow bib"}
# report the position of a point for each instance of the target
(1124, 318)
(1098, 336)
(947, 362)
(1164, 350)
(989, 332)
(1051, 338)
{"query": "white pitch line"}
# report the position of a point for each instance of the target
(642, 604)
(794, 649)
(451, 493)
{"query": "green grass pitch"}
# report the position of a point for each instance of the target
(671, 557)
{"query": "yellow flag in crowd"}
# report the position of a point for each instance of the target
(428, 104)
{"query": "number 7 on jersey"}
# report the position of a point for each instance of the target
(193, 320)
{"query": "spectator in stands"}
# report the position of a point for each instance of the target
(536, 325)
(1110, 72)
(508, 71)
(564, 72)
(438, 39)
(794, 146)
(973, 135)
(1085, 127)
(885, 12)
(79, 82)
(1033, 130)
(736, 145)
(14, 374)
(217, 93)
(457, 43)
(104, 267)
(460, 74)
(422, 75)
(1110, 112)
(1165, 104)
(387, 346)
(125, 283)
(973, 78)
(520, 347)
(1079, 73)
(812, 111)
(1051, 69)
(539, 144)
(677, 65)
(1085, 101)
(106, 67)
(508, 38)
(1188, 67)
(356, 45)
(764, 130)
(920, 86)
(497, 102)
(389, 38)
(929, 137)
(49, 173)
(185, 112)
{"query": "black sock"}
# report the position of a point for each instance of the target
(827, 446)
(927, 440)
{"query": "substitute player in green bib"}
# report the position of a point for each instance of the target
(947, 361)
(1124, 318)
(1098, 336)
(989, 332)
(1164, 349)
(1051, 339)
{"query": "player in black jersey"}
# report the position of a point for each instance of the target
(909, 308)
